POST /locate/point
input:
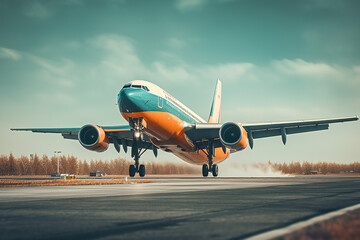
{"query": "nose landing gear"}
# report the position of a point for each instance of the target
(136, 149)
(136, 152)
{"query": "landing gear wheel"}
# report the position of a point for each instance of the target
(132, 171)
(215, 170)
(205, 170)
(142, 170)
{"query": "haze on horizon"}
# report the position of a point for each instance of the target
(62, 64)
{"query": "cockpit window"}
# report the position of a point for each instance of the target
(136, 86)
(128, 85)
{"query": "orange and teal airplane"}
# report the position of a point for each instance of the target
(157, 120)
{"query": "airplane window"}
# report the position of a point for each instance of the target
(145, 88)
(127, 85)
(136, 86)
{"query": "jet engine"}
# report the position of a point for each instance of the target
(93, 138)
(233, 136)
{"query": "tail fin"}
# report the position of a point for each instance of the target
(215, 114)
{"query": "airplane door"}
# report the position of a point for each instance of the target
(160, 102)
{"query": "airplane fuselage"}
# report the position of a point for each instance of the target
(165, 120)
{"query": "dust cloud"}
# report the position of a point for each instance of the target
(250, 170)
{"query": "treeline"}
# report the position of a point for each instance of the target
(23, 165)
(314, 168)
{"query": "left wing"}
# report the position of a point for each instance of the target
(72, 133)
(118, 135)
(201, 133)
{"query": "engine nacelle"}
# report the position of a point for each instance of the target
(233, 136)
(93, 138)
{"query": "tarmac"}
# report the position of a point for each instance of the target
(171, 208)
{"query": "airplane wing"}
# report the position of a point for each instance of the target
(261, 130)
(201, 133)
(118, 135)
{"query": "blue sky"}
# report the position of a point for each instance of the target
(62, 64)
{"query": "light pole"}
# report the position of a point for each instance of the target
(57, 152)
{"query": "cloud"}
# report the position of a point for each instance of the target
(228, 71)
(10, 54)
(176, 43)
(356, 69)
(118, 58)
(188, 5)
(73, 2)
(42, 9)
(185, 5)
(303, 68)
(62, 73)
(174, 73)
(115, 57)
(324, 4)
(269, 113)
(114, 43)
(38, 10)
(55, 98)
(73, 44)
(55, 68)
(114, 60)
(355, 75)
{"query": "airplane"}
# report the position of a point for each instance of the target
(157, 120)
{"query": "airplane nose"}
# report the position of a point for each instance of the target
(128, 100)
(124, 95)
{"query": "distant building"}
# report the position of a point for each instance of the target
(96, 174)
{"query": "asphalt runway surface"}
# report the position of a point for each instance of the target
(171, 208)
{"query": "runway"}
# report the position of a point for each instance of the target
(176, 208)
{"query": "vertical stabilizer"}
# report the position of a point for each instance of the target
(216, 105)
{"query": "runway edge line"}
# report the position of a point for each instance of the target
(296, 226)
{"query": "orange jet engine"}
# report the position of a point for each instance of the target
(233, 136)
(93, 138)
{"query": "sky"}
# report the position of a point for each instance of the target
(62, 64)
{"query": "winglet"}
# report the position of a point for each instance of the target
(215, 114)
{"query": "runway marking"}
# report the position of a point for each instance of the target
(296, 226)
(62, 192)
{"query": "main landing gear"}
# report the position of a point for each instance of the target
(214, 169)
(140, 169)
(210, 153)
(136, 168)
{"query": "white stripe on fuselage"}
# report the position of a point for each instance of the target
(156, 90)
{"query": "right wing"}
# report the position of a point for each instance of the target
(262, 130)
(203, 132)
